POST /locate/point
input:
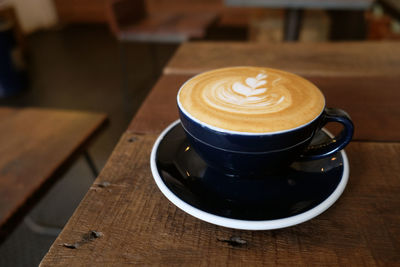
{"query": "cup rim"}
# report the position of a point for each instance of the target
(221, 130)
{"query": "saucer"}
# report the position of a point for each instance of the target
(299, 193)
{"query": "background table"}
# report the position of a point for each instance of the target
(130, 222)
(36, 147)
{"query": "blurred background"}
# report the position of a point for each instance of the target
(105, 56)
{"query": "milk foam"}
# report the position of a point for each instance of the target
(251, 99)
(253, 95)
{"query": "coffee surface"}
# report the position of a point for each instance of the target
(251, 99)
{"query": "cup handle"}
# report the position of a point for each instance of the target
(338, 142)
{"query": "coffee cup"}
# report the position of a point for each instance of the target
(252, 120)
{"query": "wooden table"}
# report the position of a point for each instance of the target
(131, 222)
(341, 59)
(294, 10)
(36, 147)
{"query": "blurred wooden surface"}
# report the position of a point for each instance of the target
(188, 25)
(5, 112)
(94, 11)
(81, 11)
(372, 102)
(35, 146)
(139, 226)
(167, 27)
(306, 59)
(131, 21)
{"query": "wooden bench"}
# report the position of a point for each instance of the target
(36, 147)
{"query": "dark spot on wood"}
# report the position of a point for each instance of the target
(234, 241)
(88, 237)
(132, 139)
(72, 246)
(91, 236)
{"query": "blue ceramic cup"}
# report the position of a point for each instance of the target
(243, 153)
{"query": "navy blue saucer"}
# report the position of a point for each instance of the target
(294, 195)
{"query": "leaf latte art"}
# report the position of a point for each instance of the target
(251, 99)
(257, 94)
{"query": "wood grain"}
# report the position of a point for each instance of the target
(5, 112)
(351, 59)
(140, 226)
(372, 102)
(35, 145)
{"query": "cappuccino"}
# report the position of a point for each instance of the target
(251, 99)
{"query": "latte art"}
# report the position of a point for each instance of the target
(253, 95)
(251, 99)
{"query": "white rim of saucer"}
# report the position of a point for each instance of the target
(246, 224)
